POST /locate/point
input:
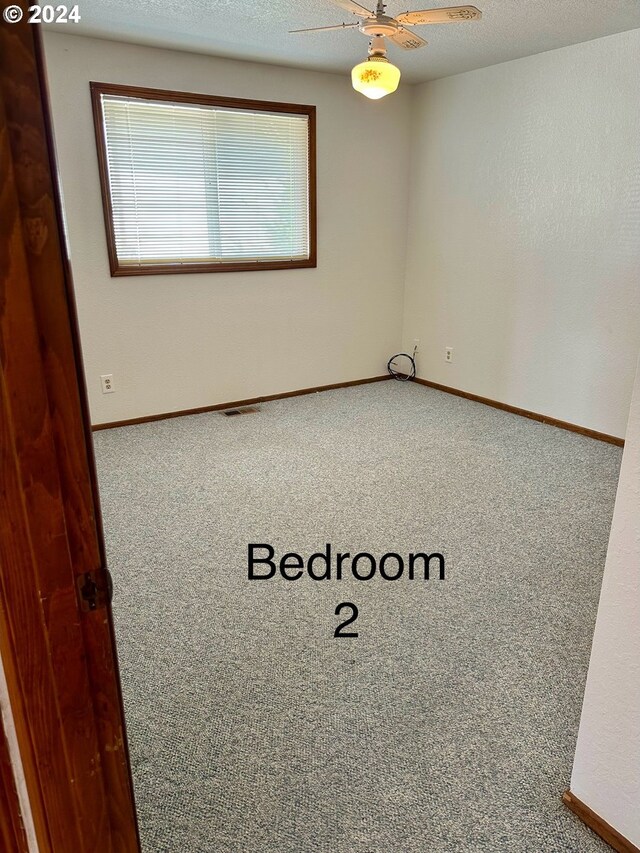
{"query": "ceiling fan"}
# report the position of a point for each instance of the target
(376, 76)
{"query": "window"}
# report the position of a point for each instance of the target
(192, 183)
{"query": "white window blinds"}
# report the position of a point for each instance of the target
(192, 183)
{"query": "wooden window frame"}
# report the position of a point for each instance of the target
(119, 269)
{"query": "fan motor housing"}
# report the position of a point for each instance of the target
(380, 26)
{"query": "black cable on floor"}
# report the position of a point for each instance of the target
(405, 369)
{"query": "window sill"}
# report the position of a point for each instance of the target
(118, 271)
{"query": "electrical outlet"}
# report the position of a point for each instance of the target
(107, 383)
(416, 344)
(448, 354)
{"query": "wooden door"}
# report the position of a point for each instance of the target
(56, 630)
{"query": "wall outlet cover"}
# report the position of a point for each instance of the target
(106, 381)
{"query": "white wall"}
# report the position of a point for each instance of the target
(523, 246)
(606, 771)
(522, 242)
(177, 342)
(8, 730)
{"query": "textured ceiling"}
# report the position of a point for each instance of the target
(258, 30)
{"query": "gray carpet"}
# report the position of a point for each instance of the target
(450, 723)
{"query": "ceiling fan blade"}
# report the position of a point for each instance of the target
(406, 39)
(451, 15)
(354, 8)
(324, 29)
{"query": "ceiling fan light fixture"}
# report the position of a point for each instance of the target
(375, 77)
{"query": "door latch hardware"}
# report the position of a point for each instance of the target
(95, 589)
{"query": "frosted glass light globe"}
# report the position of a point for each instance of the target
(376, 77)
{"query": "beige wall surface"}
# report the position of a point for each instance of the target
(520, 249)
(524, 231)
(175, 342)
(606, 771)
